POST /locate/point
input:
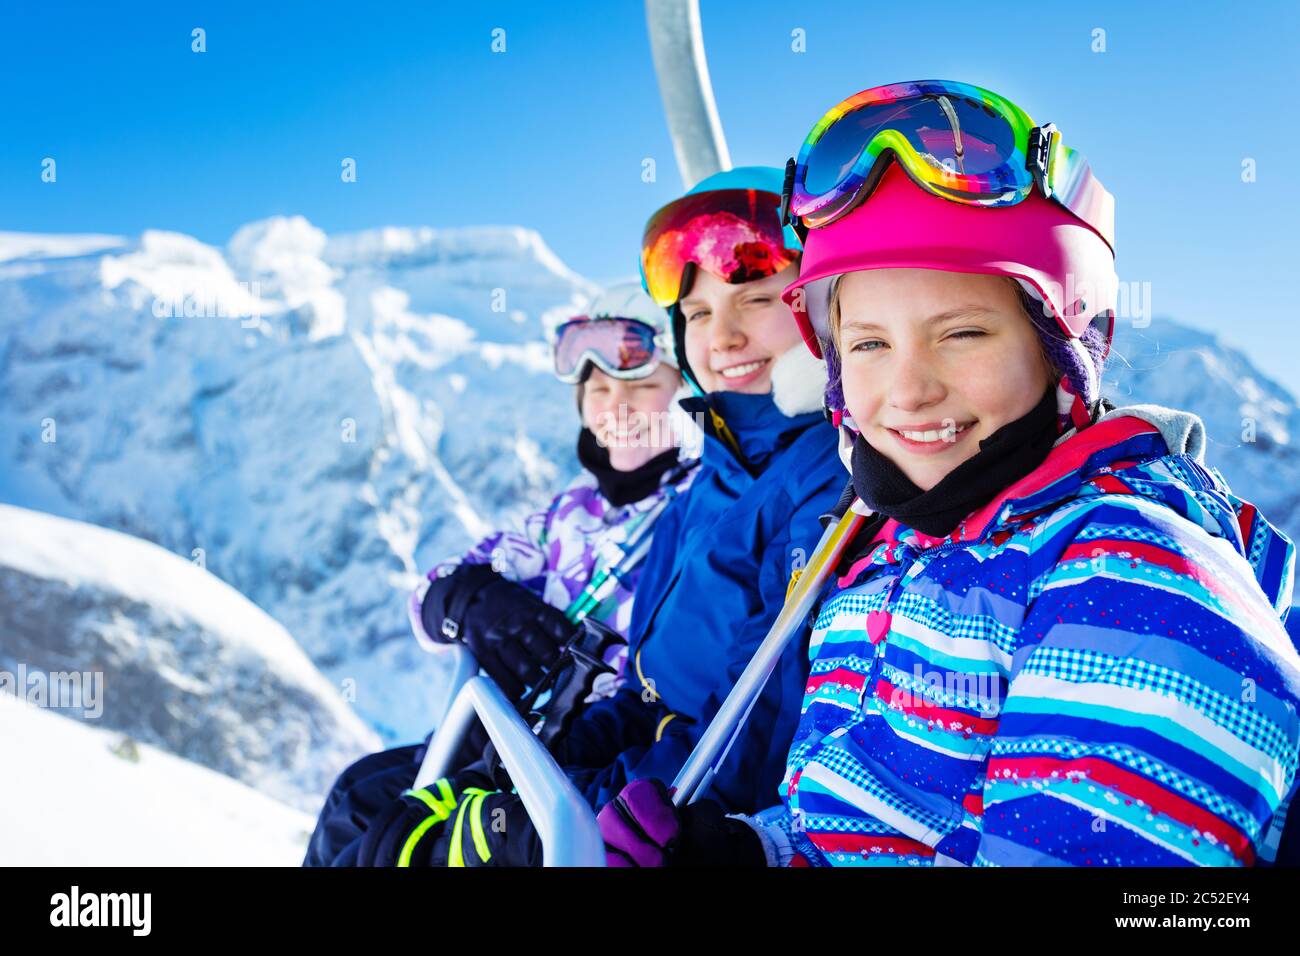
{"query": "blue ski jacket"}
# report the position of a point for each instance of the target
(713, 583)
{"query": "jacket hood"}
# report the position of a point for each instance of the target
(1183, 432)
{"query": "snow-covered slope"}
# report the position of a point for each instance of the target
(332, 417)
(188, 664)
(75, 795)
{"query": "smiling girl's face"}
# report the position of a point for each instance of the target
(734, 333)
(629, 416)
(934, 363)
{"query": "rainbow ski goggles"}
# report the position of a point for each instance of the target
(735, 234)
(957, 141)
(623, 348)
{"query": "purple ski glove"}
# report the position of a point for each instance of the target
(639, 825)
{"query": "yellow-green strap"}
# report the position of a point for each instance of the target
(440, 808)
(471, 806)
(476, 829)
(659, 731)
(720, 426)
(444, 803)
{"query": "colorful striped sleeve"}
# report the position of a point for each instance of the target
(1151, 714)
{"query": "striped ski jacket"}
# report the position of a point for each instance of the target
(1091, 670)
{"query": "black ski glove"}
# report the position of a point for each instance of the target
(711, 838)
(457, 821)
(513, 633)
(491, 829)
(405, 833)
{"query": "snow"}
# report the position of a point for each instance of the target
(71, 800)
(283, 257)
(178, 658)
(26, 245)
(466, 247)
(81, 555)
(320, 415)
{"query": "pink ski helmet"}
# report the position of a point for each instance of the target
(1058, 260)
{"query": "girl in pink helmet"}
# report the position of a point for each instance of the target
(1058, 637)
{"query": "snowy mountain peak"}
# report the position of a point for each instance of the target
(284, 252)
(412, 247)
(31, 245)
(1196, 370)
(172, 655)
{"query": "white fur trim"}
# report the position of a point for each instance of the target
(686, 430)
(798, 382)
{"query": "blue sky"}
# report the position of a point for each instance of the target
(552, 133)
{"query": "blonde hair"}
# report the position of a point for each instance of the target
(833, 310)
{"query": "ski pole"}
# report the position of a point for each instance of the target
(711, 751)
(602, 583)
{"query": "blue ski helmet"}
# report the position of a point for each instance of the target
(728, 224)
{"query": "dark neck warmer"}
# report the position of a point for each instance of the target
(1006, 456)
(623, 487)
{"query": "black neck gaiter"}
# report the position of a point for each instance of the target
(622, 487)
(1006, 456)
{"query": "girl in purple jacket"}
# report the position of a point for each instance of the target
(514, 599)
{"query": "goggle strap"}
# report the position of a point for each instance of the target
(1038, 155)
(1092, 204)
(787, 190)
(787, 196)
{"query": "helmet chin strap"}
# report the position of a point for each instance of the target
(1081, 413)
(848, 432)
(1072, 411)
